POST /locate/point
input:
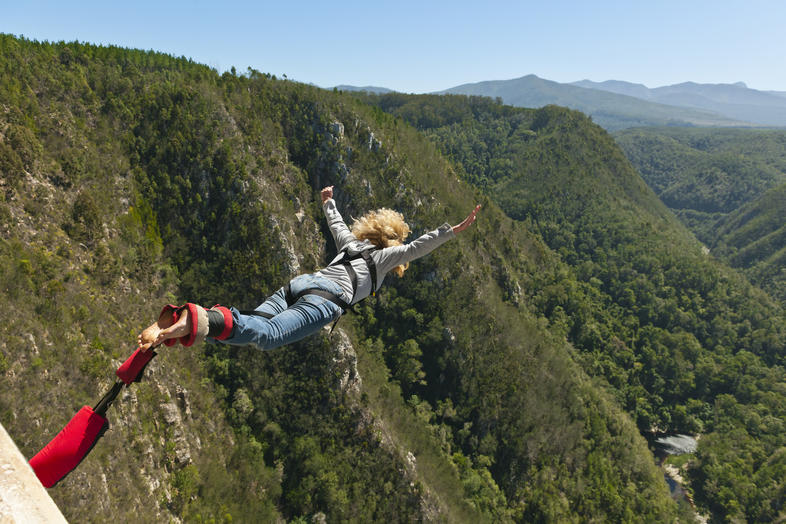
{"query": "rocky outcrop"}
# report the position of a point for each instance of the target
(337, 129)
(346, 361)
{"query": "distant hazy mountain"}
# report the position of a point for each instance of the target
(609, 109)
(736, 101)
(370, 89)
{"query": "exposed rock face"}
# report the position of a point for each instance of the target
(346, 359)
(171, 414)
(173, 417)
(182, 400)
(374, 144)
(337, 129)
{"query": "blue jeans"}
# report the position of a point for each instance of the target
(303, 318)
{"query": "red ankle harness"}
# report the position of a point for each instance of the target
(188, 340)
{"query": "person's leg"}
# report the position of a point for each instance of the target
(275, 303)
(172, 325)
(305, 317)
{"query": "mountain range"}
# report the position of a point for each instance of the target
(736, 101)
(616, 104)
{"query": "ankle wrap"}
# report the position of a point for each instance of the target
(220, 322)
(216, 323)
(199, 323)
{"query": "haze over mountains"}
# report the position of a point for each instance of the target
(616, 104)
(369, 89)
(736, 101)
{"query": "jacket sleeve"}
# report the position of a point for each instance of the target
(341, 233)
(423, 245)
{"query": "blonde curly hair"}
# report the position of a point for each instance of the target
(383, 228)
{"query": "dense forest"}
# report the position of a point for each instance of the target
(753, 238)
(488, 384)
(685, 343)
(727, 186)
(705, 174)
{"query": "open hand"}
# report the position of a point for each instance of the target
(467, 221)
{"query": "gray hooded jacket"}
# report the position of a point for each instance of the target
(385, 259)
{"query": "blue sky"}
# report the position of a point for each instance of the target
(422, 46)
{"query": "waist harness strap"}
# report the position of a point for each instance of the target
(291, 299)
(345, 260)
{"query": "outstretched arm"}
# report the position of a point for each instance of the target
(424, 244)
(467, 221)
(341, 233)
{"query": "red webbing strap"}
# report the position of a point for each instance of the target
(68, 448)
(130, 370)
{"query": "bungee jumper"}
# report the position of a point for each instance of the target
(371, 248)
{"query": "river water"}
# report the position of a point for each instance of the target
(677, 444)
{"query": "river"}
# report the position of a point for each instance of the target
(677, 444)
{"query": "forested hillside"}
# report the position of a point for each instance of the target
(131, 179)
(753, 238)
(727, 186)
(685, 343)
(705, 174)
